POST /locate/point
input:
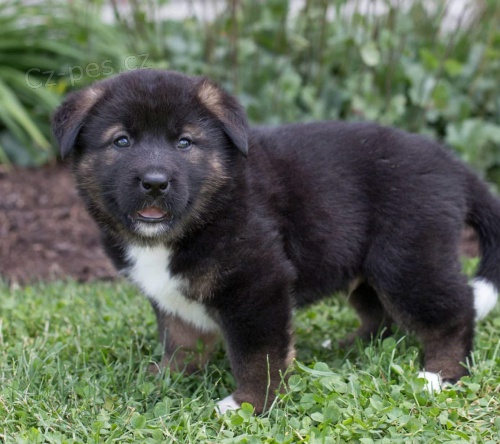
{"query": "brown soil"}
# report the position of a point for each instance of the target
(45, 233)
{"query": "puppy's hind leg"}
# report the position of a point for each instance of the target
(374, 319)
(447, 347)
(434, 301)
(448, 337)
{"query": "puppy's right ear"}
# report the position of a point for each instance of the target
(228, 110)
(70, 116)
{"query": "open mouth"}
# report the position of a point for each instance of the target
(153, 215)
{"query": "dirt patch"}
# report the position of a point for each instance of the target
(45, 233)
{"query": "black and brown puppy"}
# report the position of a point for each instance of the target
(227, 229)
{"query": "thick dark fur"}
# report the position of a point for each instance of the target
(312, 209)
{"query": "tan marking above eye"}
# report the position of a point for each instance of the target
(192, 132)
(112, 132)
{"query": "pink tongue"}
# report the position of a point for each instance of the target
(152, 213)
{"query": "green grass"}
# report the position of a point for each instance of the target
(73, 362)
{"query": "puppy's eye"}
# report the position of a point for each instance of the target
(184, 143)
(122, 142)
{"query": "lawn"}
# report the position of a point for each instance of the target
(73, 362)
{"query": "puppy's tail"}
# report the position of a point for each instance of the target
(484, 216)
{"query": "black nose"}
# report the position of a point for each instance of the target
(155, 183)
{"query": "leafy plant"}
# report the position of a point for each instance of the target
(44, 47)
(400, 63)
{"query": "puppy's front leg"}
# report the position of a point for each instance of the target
(260, 346)
(181, 342)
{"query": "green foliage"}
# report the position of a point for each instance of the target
(330, 60)
(399, 67)
(44, 48)
(73, 362)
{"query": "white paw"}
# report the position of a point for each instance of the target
(228, 403)
(485, 297)
(433, 382)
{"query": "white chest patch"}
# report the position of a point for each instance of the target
(150, 271)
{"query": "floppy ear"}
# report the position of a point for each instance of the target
(70, 116)
(227, 109)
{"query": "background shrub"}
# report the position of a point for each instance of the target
(397, 63)
(42, 47)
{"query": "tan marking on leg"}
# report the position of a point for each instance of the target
(354, 284)
(181, 342)
(267, 376)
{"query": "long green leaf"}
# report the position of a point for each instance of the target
(41, 95)
(19, 114)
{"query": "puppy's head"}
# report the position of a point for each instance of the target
(151, 149)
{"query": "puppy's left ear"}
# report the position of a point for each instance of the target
(227, 109)
(70, 117)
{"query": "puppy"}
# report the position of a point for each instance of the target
(227, 229)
